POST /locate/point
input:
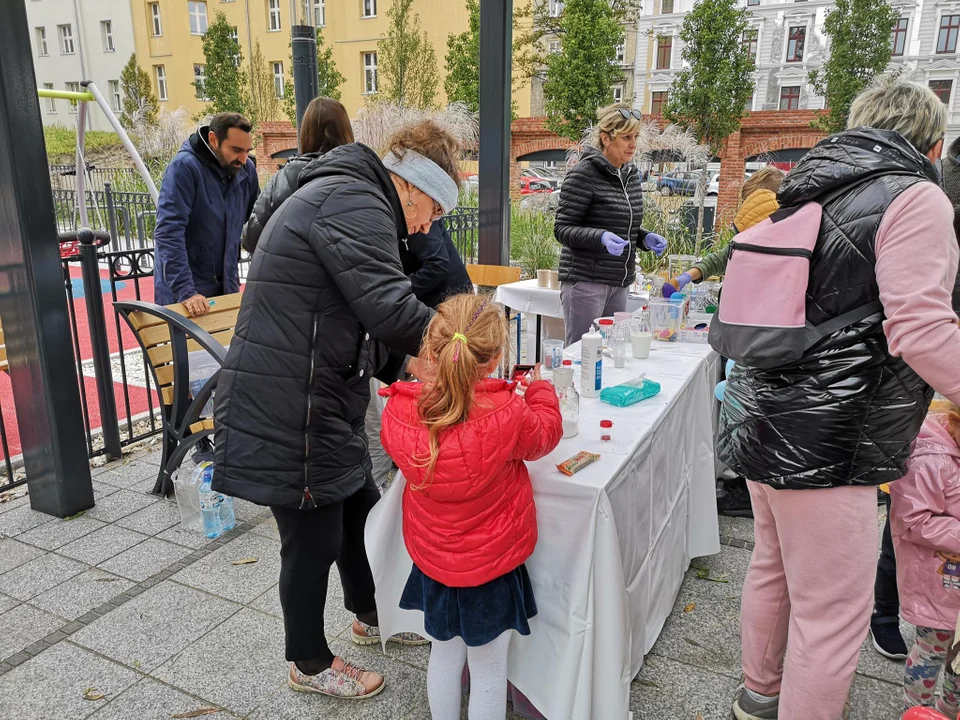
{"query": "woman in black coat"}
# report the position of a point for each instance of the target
(599, 223)
(434, 266)
(326, 306)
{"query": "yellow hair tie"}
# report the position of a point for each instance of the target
(456, 350)
(460, 336)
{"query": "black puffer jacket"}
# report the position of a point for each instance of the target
(434, 266)
(951, 184)
(596, 197)
(848, 412)
(281, 186)
(325, 299)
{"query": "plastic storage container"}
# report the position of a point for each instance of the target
(569, 399)
(552, 354)
(666, 319)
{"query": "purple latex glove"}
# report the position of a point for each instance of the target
(676, 285)
(613, 243)
(656, 243)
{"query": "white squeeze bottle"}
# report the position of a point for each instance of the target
(591, 363)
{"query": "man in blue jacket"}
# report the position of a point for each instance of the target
(207, 195)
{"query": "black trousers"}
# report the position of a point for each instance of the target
(310, 542)
(886, 597)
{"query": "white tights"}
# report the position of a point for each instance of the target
(488, 679)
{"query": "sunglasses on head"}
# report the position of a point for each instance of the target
(627, 114)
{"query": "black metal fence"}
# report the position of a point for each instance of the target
(64, 177)
(125, 269)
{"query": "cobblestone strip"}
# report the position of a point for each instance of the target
(7, 664)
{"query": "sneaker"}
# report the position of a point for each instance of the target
(735, 502)
(363, 634)
(746, 708)
(202, 451)
(342, 680)
(887, 640)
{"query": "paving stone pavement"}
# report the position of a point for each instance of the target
(119, 615)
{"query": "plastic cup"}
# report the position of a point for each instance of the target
(543, 278)
(641, 342)
(554, 279)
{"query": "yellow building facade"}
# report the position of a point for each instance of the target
(169, 42)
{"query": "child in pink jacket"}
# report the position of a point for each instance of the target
(925, 522)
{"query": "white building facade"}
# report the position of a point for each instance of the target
(75, 40)
(788, 41)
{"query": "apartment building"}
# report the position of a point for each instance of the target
(74, 41)
(169, 40)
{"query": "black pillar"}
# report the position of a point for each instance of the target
(496, 49)
(33, 305)
(305, 81)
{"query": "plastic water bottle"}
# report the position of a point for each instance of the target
(591, 363)
(216, 509)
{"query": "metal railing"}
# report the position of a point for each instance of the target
(463, 224)
(64, 177)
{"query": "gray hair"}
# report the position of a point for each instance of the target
(908, 108)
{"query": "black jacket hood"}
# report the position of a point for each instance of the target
(851, 157)
(597, 158)
(361, 162)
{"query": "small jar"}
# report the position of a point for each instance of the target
(606, 434)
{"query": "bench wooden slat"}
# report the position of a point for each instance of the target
(163, 354)
(205, 424)
(212, 322)
(493, 275)
(222, 303)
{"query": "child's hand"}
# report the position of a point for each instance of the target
(535, 373)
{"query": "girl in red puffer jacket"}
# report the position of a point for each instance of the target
(469, 520)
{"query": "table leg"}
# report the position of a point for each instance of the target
(539, 348)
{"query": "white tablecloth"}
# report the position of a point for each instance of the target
(526, 297)
(615, 539)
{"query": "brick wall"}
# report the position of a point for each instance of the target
(275, 136)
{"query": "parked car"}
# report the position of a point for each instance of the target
(679, 183)
(713, 187)
(541, 174)
(470, 182)
(533, 186)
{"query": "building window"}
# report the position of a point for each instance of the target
(115, 100)
(942, 89)
(66, 39)
(621, 54)
(898, 41)
(658, 102)
(42, 42)
(664, 51)
(235, 36)
(370, 86)
(947, 40)
(199, 78)
(553, 47)
(751, 41)
(161, 82)
(155, 18)
(319, 13)
(555, 8)
(274, 15)
(51, 103)
(106, 35)
(753, 3)
(798, 36)
(369, 8)
(748, 106)
(618, 93)
(666, 7)
(198, 17)
(790, 97)
(73, 87)
(278, 79)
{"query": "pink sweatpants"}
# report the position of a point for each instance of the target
(808, 596)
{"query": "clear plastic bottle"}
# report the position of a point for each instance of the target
(569, 399)
(621, 339)
(216, 509)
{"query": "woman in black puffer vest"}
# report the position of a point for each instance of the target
(599, 223)
(324, 126)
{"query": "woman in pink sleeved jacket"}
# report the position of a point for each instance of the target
(925, 522)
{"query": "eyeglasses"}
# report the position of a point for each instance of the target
(627, 114)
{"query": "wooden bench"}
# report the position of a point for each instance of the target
(167, 335)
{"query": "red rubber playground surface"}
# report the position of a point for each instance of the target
(138, 397)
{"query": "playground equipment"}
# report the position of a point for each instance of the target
(70, 248)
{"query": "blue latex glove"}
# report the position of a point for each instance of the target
(613, 243)
(676, 285)
(655, 242)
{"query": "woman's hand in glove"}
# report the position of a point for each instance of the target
(656, 243)
(676, 285)
(613, 243)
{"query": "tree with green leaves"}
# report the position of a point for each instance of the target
(225, 83)
(329, 79)
(859, 33)
(140, 106)
(710, 93)
(462, 82)
(264, 103)
(406, 60)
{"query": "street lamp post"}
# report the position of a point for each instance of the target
(303, 36)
